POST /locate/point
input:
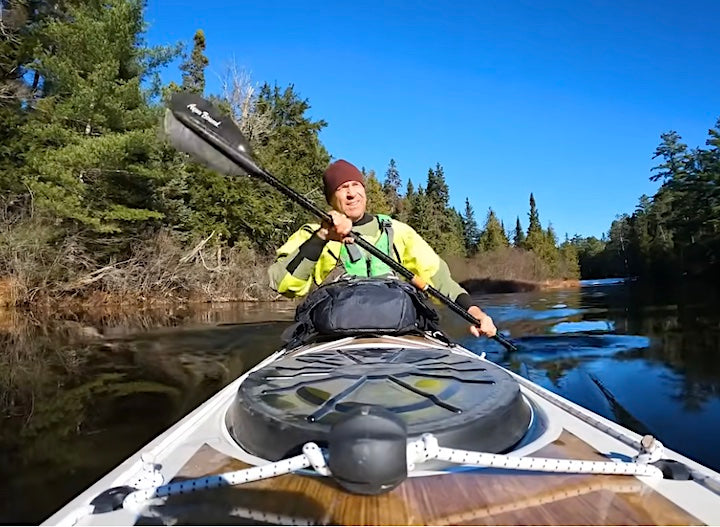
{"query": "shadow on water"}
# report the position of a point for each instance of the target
(79, 393)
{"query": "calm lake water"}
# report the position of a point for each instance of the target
(78, 394)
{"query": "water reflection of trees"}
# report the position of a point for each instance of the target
(682, 326)
(684, 331)
(57, 384)
(78, 395)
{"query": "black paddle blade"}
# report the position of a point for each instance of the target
(191, 120)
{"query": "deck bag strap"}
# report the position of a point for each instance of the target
(362, 306)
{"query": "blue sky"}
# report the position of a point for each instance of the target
(565, 99)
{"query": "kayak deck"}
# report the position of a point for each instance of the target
(473, 497)
(197, 447)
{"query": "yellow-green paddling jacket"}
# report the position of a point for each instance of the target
(305, 259)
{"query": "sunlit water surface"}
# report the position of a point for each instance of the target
(79, 394)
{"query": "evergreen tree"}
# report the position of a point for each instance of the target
(16, 22)
(534, 224)
(618, 245)
(506, 235)
(193, 67)
(519, 235)
(549, 252)
(406, 203)
(640, 239)
(568, 261)
(94, 157)
(16, 43)
(441, 229)
(492, 237)
(455, 244)
(239, 207)
(535, 236)
(471, 232)
(675, 156)
(680, 191)
(437, 189)
(391, 186)
(418, 211)
(377, 201)
(433, 219)
(410, 191)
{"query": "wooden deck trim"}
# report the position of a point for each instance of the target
(474, 497)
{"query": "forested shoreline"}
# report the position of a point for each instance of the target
(673, 234)
(96, 207)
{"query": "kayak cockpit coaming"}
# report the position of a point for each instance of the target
(468, 403)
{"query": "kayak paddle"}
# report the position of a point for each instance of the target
(223, 147)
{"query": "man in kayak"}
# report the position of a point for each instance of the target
(315, 251)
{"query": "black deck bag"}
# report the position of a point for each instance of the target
(363, 306)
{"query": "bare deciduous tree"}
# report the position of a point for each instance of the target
(241, 93)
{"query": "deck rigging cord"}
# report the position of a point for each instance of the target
(419, 451)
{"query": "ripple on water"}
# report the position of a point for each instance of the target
(544, 347)
(512, 313)
(584, 325)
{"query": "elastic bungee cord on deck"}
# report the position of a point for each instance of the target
(422, 450)
(368, 453)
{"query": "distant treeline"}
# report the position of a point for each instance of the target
(676, 232)
(93, 201)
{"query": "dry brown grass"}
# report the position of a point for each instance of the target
(162, 269)
(38, 268)
(507, 270)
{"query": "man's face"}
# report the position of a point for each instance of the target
(350, 199)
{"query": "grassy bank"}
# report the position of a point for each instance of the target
(510, 270)
(41, 268)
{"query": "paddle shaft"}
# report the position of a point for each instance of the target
(249, 165)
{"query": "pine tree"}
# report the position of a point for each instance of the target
(675, 156)
(377, 202)
(406, 203)
(94, 158)
(193, 67)
(519, 236)
(391, 187)
(679, 176)
(471, 232)
(245, 207)
(437, 188)
(535, 235)
(492, 237)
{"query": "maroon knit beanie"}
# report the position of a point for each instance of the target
(338, 173)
